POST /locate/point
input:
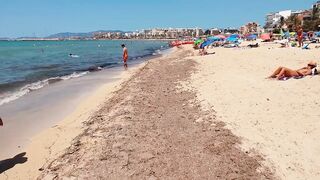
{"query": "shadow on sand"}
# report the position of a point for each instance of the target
(10, 163)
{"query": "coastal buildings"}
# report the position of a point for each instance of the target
(277, 19)
(215, 31)
(251, 28)
(230, 30)
(155, 33)
(274, 19)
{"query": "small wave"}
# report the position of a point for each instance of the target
(8, 97)
(157, 52)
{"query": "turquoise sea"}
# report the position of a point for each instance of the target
(30, 65)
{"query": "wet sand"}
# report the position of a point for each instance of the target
(44, 108)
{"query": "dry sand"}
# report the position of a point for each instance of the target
(280, 119)
(153, 128)
(167, 121)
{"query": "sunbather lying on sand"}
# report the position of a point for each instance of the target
(253, 45)
(283, 73)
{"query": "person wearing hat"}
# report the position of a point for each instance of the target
(283, 73)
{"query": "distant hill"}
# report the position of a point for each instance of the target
(65, 35)
(82, 35)
(4, 39)
(27, 37)
(69, 34)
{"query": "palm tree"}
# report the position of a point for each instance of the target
(314, 21)
(293, 22)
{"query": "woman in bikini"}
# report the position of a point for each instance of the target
(300, 36)
(283, 72)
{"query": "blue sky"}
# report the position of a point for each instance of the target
(44, 17)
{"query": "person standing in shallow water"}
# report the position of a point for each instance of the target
(125, 56)
(1, 123)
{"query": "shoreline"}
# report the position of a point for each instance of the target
(184, 116)
(143, 131)
(20, 89)
(52, 141)
(93, 40)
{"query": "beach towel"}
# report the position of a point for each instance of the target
(231, 45)
(306, 46)
(315, 71)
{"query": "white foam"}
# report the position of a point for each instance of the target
(6, 98)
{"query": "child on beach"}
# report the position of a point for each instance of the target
(283, 73)
(125, 56)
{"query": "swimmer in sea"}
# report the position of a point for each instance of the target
(73, 55)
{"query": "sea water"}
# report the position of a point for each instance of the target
(40, 84)
(27, 66)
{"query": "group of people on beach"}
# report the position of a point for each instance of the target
(281, 73)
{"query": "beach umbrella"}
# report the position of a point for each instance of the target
(305, 34)
(252, 37)
(287, 34)
(265, 36)
(232, 39)
(281, 32)
(220, 36)
(214, 38)
(199, 41)
(206, 43)
(234, 36)
(292, 33)
(317, 34)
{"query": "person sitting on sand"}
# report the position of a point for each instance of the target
(283, 73)
(202, 52)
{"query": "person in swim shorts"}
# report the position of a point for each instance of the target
(125, 56)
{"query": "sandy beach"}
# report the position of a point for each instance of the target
(52, 142)
(280, 119)
(184, 116)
